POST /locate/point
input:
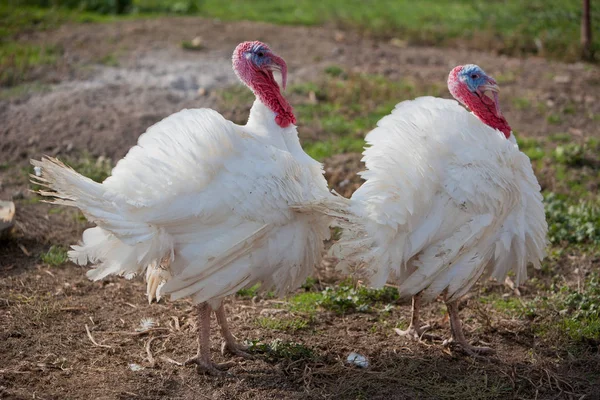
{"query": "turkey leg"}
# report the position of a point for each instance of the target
(202, 359)
(415, 330)
(458, 335)
(230, 343)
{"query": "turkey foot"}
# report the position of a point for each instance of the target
(458, 336)
(230, 344)
(208, 367)
(202, 358)
(415, 330)
(417, 333)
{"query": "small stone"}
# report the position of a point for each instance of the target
(562, 79)
(197, 42)
(202, 91)
(339, 36)
(358, 360)
(396, 42)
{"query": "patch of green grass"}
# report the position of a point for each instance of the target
(323, 149)
(572, 154)
(505, 77)
(281, 350)
(545, 27)
(511, 27)
(572, 222)
(22, 90)
(346, 107)
(554, 119)
(249, 293)
(97, 169)
(18, 59)
(535, 153)
(193, 45)
(236, 95)
(56, 210)
(253, 291)
(342, 299)
(521, 103)
(569, 109)
(55, 256)
(346, 298)
(34, 309)
(282, 324)
(512, 306)
(334, 71)
(531, 147)
(561, 137)
(340, 110)
(110, 60)
(307, 302)
(96, 6)
(570, 315)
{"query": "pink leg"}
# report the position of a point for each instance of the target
(415, 330)
(458, 336)
(203, 359)
(230, 343)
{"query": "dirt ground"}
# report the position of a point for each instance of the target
(87, 107)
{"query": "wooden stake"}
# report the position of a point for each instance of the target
(7, 215)
(586, 31)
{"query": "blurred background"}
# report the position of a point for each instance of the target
(81, 80)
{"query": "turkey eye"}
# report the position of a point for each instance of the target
(260, 54)
(474, 76)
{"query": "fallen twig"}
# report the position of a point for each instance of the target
(87, 329)
(170, 360)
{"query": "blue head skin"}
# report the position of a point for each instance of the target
(259, 54)
(476, 79)
(470, 85)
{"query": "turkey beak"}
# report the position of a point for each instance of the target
(491, 86)
(491, 90)
(277, 64)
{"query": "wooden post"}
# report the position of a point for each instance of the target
(586, 31)
(7, 216)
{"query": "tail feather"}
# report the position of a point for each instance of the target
(336, 207)
(118, 245)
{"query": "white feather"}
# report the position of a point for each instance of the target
(446, 200)
(207, 200)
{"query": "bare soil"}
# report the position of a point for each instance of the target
(89, 107)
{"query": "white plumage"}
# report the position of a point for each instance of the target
(447, 200)
(204, 203)
(211, 198)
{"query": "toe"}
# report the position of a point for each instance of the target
(236, 350)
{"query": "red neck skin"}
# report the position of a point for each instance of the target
(259, 78)
(482, 106)
(266, 89)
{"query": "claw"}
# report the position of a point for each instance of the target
(208, 367)
(478, 352)
(417, 333)
(236, 350)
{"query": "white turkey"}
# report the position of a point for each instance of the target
(448, 199)
(205, 203)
